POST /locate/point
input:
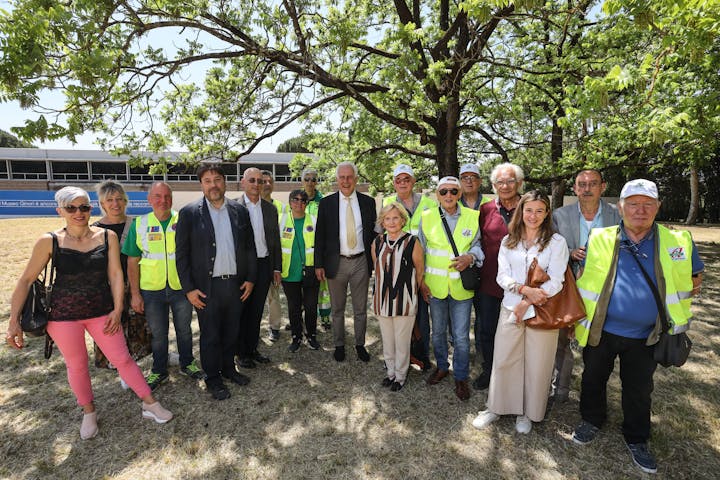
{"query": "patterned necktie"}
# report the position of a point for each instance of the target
(350, 225)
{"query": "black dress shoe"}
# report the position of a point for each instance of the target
(218, 392)
(482, 382)
(246, 363)
(362, 353)
(237, 378)
(387, 382)
(396, 386)
(339, 354)
(260, 358)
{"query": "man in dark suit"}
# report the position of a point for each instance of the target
(344, 233)
(215, 256)
(574, 223)
(264, 219)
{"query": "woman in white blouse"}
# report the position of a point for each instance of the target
(523, 358)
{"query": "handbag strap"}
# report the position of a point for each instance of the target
(49, 286)
(447, 232)
(655, 292)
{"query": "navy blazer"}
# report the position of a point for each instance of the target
(195, 245)
(327, 231)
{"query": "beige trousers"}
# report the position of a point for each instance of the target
(273, 303)
(522, 369)
(396, 333)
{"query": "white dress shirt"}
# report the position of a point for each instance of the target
(256, 219)
(513, 267)
(342, 210)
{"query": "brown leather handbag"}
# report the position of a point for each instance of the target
(561, 310)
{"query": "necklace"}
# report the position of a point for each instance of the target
(78, 238)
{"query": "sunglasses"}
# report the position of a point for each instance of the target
(259, 181)
(445, 191)
(83, 208)
(310, 179)
(295, 199)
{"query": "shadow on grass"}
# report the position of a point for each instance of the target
(307, 416)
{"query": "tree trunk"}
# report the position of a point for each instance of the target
(447, 140)
(556, 152)
(694, 210)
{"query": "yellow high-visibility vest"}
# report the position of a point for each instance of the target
(675, 254)
(439, 277)
(424, 204)
(157, 263)
(287, 236)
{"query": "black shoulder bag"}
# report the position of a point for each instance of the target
(36, 311)
(670, 350)
(470, 277)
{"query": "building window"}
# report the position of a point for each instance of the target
(28, 170)
(109, 171)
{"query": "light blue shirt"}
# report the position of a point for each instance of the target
(585, 228)
(224, 263)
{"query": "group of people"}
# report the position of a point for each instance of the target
(227, 257)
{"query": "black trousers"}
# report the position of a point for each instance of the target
(637, 367)
(487, 312)
(219, 325)
(301, 298)
(249, 336)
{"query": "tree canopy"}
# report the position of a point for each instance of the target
(550, 85)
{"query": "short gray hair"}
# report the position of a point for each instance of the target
(346, 164)
(66, 195)
(109, 187)
(309, 170)
(519, 175)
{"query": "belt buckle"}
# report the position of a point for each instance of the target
(225, 277)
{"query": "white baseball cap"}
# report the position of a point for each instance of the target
(402, 168)
(639, 186)
(449, 180)
(470, 168)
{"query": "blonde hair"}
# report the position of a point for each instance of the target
(387, 208)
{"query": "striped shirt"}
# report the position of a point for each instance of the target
(395, 284)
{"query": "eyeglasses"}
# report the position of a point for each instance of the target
(469, 178)
(259, 181)
(445, 191)
(310, 179)
(584, 185)
(403, 180)
(73, 208)
(505, 183)
(296, 199)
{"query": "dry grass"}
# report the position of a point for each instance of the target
(306, 416)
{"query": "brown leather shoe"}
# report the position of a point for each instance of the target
(437, 376)
(462, 390)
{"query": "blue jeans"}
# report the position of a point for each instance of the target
(157, 306)
(458, 313)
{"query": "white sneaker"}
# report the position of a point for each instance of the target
(484, 419)
(157, 412)
(124, 385)
(89, 428)
(523, 424)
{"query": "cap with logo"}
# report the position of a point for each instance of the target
(402, 168)
(639, 186)
(470, 168)
(449, 181)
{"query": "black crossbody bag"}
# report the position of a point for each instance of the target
(670, 350)
(470, 277)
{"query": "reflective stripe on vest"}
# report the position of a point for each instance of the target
(287, 237)
(425, 203)
(439, 277)
(675, 255)
(157, 264)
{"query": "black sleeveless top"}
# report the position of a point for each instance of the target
(81, 289)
